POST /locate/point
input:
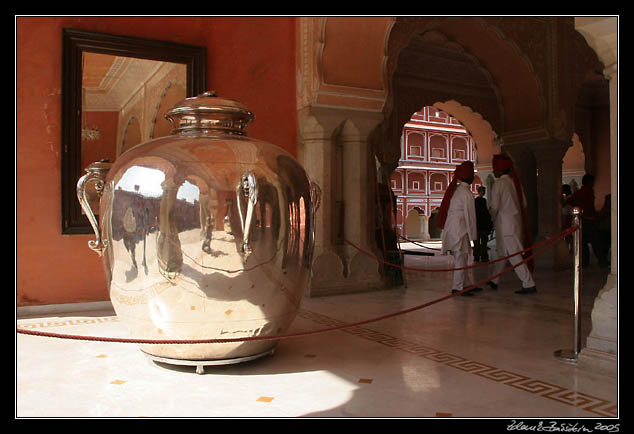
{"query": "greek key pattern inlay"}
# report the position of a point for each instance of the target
(534, 386)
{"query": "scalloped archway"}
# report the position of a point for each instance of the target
(479, 128)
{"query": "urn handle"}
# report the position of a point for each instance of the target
(315, 200)
(95, 173)
(315, 195)
(247, 192)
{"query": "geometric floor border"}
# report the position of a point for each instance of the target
(547, 390)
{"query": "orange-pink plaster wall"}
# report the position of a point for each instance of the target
(249, 59)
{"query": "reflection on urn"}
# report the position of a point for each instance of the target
(169, 254)
(227, 232)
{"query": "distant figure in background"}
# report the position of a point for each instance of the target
(566, 212)
(566, 208)
(509, 216)
(605, 229)
(584, 199)
(485, 226)
(457, 218)
(130, 234)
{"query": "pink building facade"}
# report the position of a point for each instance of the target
(432, 145)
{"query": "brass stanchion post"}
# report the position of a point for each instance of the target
(571, 355)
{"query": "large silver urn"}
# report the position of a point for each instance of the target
(204, 234)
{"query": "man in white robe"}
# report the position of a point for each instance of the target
(458, 219)
(506, 205)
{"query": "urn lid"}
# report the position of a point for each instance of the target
(207, 113)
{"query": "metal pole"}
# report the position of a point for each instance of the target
(571, 355)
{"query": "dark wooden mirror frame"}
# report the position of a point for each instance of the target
(74, 44)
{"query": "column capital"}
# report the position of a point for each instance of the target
(552, 149)
(543, 150)
(515, 150)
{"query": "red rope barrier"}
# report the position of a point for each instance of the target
(417, 243)
(482, 264)
(552, 241)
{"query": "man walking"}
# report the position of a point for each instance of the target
(458, 220)
(508, 212)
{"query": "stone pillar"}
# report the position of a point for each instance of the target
(169, 252)
(334, 151)
(315, 154)
(425, 228)
(601, 351)
(549, 156)
(355, 185)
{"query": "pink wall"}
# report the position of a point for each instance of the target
(249, 59)
(104, 147)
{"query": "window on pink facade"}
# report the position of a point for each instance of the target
(438, 145)
(460, 148)
(438, 183)
(415, 145)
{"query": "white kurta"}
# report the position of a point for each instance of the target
(506, 214)
(460, 229)
(460, 226)
(505, 208)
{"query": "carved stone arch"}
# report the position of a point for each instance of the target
(132, 135)
(149, 162)
(430, 29)
(516, 90)
(442, 39)
(170, 94)
(478, 128)
(525, 59)
(415, 32)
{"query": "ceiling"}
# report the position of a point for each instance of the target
(109, 82)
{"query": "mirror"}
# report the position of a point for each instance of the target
(115, 92)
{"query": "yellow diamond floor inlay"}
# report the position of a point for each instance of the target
(265, 399)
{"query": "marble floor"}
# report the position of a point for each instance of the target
(488, 357)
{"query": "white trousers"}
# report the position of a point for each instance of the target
(460, 277)
(506, 246)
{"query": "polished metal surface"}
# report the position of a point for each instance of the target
(95, 174)
(200, 364)
(571, 355)
(208, 234)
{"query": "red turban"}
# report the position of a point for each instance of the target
(501, 163)
(464, 171)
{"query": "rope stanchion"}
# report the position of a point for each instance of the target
(551, 241)
(572, 355)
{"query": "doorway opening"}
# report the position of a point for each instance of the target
(433, 144)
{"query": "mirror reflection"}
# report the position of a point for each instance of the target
(115, 92)
(124, 100)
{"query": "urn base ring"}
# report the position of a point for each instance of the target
(200, 364)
